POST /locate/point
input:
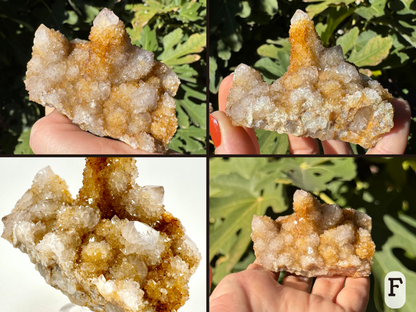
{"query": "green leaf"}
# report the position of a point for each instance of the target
(407, 4)
(398, 47)
(374, 51)
(312, 174)
(144, 12)
(245, 12)
(320, 28)
(281, 53)
(412, 37)
(196, 112)
(335, 17)
(348, 39)
(271, 142)
(268, 50)
(267, 65)
(192, 93)
(170, 40)
(213, 85)
(246, 167)
(72, 18)
(234, 209)
(148, 39)
(363, 38)
(182, 53)
(185, 73)
(223, 16)
(194, 132)
(23, 146)
(376, 9)
(271, 50)
(269, 6)
(385, 261)
(91, 13)
(273, 70)
(183, 119)
(191, 140)
(223, 50)
(189, 12)
(315, 9)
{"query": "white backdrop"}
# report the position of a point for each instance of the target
(22, 289)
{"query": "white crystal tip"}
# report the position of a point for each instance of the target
(299, 15)
(105, 18)
(299, 194)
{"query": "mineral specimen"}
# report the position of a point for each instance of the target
(113, 248)
(316, 240)
(320, 96)
(106, 85)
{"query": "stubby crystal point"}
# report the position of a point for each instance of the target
(107, 86)
(316, 240)
(320, 96)
(113, 248)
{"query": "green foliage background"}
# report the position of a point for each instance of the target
(381, 187)
(377, 35)
(175, 30)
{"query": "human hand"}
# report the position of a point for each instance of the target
(56, 134)
(257, 289)
(229, 139)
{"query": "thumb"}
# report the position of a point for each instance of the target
(227, 138)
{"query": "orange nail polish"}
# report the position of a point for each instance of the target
(214, 129)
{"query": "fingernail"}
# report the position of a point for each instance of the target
(214, 129)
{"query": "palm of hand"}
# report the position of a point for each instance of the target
(258, 290)
(56, 134)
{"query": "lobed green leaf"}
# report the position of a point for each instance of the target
(373, 52)
(271, 142)
(182, 53)
(385, 261)
(376, 9)
(347, 41)
(234, 209)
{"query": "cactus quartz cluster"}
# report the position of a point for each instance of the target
(107, 86)
(114, 248)
(320, 96)
(316, 240)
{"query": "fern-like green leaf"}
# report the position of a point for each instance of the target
(177, 53)
(189, 12)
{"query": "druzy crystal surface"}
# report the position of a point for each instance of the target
(106, 85)
(113, 248)
(316, 240)
(320, 96)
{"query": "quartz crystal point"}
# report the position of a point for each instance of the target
(107, 86)
(316, 240)
(320, 96)
(113, 248)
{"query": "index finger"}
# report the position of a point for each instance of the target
(225, 87)
(224, 90)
